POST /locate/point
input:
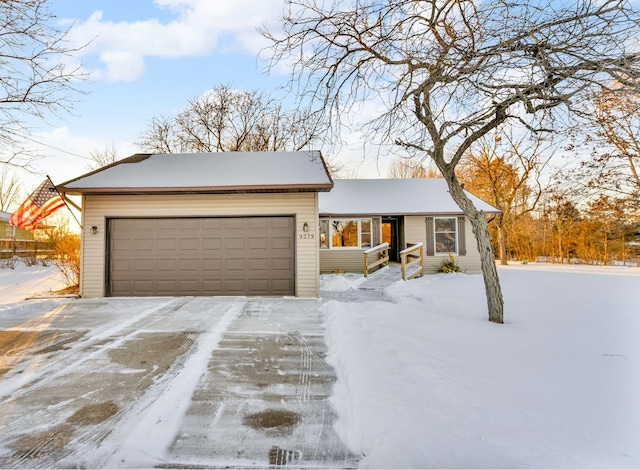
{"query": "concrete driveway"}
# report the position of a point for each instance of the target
(167, 382)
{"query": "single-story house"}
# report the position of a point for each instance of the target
(249, 223)
(359, 214)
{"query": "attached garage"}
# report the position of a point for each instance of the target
(201, 256)
(229, 223)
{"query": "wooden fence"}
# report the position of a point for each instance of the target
(10, 247)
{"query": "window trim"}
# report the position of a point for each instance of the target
(359, 228)
(435, 238)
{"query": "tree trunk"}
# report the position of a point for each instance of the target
(480, 229)
(503, 244)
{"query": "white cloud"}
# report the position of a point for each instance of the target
(195, 30)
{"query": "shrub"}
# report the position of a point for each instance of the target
(449, 265)
(66, 254)
(8, 263)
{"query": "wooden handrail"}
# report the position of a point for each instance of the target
(382, 252)
(410, 258)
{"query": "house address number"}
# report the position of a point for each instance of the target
(306, 236)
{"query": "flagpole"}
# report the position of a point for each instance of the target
(64, 199)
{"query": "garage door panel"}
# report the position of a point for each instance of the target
(144, 265)
(211, 265)
(202, 256)
(258, 223)
(281, 222)
(166, 244)
(212, 244)
(235, 286)
(281, 243)
(260, 286)
(261, 243)
(212, 224)
(123, 245)
(143, 287)
(281, 264)
(212, 287)
(282, 286)
(233, 266)
(235, 223)
(258, 264)
(235, 243)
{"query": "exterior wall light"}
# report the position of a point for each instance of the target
(94, 229)
(305, 227)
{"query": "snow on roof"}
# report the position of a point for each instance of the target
(207, 172)
(393, 197)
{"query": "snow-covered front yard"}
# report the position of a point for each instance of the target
(427, 381)
(424, 380)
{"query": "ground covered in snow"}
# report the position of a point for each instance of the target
(23, 281)
(424, 380)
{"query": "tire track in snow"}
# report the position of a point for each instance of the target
(143, 440)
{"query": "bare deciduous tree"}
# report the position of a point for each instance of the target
(505, 169)
(407, 168)
(35, 79)
(104, 157)
(228, 120)
(9, 189)
(618, 117)
(448, 72)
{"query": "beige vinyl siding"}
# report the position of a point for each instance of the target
(415, 231)
(349, 260)
(96, 209)
(415, 227)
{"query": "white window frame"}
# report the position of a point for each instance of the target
(359, 221)
(436, 232)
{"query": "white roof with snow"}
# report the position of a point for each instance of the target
(207, 172)
(393, 197)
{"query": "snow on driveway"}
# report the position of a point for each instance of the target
(136, 383)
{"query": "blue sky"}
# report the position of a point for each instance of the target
(147, 58)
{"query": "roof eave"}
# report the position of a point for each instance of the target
(395, 214)
(241, 189)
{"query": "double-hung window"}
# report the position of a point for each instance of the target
(345, 233)
(446, 239)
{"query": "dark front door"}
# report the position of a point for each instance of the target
(390, 236)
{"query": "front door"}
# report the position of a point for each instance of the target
(390, 236)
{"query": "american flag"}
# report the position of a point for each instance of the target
(44, 201)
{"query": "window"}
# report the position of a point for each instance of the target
(365, 233)
(345, 233)
(445, 235)
(10, 231)
(324, 233)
